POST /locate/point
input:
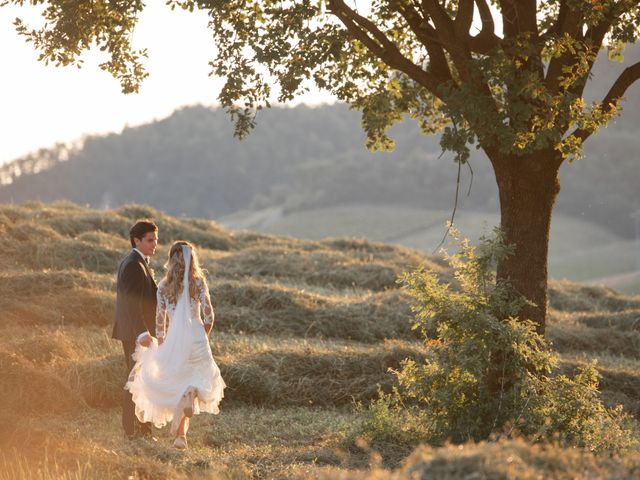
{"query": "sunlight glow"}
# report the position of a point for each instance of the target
(43, 105)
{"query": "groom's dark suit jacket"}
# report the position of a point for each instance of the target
(135, 299)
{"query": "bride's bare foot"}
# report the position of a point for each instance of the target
(184, 411)
(180, 442)
(181, 435)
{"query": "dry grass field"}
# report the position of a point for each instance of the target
(579, 250)
(304, 331)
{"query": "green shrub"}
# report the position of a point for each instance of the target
(486, 371)
(571, 410)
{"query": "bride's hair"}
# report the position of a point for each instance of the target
(173, 278)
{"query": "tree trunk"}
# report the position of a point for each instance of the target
(528, 187)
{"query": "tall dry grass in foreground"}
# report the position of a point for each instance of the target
(303, 329)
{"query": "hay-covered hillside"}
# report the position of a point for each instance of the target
(304, 330)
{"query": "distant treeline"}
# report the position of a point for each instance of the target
(299, 157)
(306, 157)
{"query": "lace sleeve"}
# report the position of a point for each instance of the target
(205, 303)
(161, 314)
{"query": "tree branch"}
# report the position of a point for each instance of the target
(464, 18)
(509, 18)
(568, 22)
(441, 20)
(487, 39)
(428, 36)
(458, 47)
(595, 37)
(617, 90)
(519, 16)
(519, 19)
(439, 15)
(362, 29)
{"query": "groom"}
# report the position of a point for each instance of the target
(136, 311)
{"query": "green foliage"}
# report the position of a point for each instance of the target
(388, 420)
(73, 27)
(570, 409)
(485, 370)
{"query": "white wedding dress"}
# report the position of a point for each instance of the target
(163, 373)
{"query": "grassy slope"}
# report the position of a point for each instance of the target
(579, 250)
(303, 328)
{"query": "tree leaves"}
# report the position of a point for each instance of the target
(72, 27)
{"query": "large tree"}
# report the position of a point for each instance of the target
(507, 76)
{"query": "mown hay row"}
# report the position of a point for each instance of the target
(29, 231)
(574, 297)
(204, 233)
(26, 283)
(254, 307)
(325, 268)
(621, 388)
(99, 381)
(48, 237)
(58, 253)
(624, 320)
(503, 459)
(307, 378)
(51, 221)
(92, 221)
(27, 389)
(73, 254)
(259, 370)
(571, 337)
(361, 250)
(82, 445)
(77, 306)
(83, 298)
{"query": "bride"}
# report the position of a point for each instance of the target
(176, 376)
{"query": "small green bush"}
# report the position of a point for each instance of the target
(485, 370)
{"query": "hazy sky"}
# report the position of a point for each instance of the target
(42, 105)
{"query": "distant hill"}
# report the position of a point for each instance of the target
(307, 158)
(190, 164)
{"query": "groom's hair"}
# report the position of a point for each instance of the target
(140, 229)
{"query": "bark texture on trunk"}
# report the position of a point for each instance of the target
(528, 187)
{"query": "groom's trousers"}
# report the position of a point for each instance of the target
(132, 426)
